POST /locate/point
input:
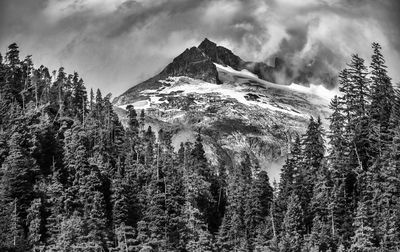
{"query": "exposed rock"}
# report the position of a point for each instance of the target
(193, 63)
(221, 55)
(225, 57)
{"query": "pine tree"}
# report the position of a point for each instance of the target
(257, 210)
(12, 236)
(233, 233)
(337, 141)
(56, 196)
(387, 200)
(155, 215)
(124, 231)
(382, 95)
(197, 236)
(98, 106)
(70, 237)
(322, 233)
(79, 100)
(19, 174)
(142, 120)
(291, 239)
(35, 223)
(12, 56)
(313, 154)
(174, 198)
(359, 86)
(13, 78)
(290, 177)
(202, 177)
(91, 102)
(362, 239)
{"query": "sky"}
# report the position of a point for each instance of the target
(116, 44)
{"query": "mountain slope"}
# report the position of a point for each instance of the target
(234, 109)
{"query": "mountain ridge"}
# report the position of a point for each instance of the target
(197, 62)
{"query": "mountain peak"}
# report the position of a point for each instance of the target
(220, 54)
(198, 63)
(206, 43)
(193, 63)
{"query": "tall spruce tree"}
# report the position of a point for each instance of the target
(291, 238)
(382, 95)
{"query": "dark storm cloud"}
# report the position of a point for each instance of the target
(115, 44)
(136, 14)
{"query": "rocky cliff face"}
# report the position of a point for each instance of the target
(226, 57)
(221, 55)
(193, 63)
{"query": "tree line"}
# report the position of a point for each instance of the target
(74, 179)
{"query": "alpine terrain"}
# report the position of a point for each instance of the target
(234, 104)
(284, 136)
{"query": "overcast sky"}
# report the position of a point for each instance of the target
(114, 44)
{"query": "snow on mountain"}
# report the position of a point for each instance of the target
(243, 72)
(235, 110)
(318, 90)
(182, 85)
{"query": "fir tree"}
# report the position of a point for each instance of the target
(322, 233)
(35, 223)
(362, 239)
(382, 95)
(290, 177)
(291, 239)
(313, 153)
(258, 203)
(79, 102)
(12, 56)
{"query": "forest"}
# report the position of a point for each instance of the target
(73, 178)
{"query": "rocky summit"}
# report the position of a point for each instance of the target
(209, 88)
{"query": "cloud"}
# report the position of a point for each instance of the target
(116, 44)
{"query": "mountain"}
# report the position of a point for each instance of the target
(231, 102)
(226, 57)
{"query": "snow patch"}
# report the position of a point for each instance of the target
(318, 90)
(139, 105)
(244, 72)
(187, 85)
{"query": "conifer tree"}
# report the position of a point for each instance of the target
(257, 208)
(290, 177)
(12, 56)
(79, 102)
(122, 211)
(56, 196)
(291, 238)
(91, 101)
(19, 172)
(382, 96)
(71, 233)
(35, 222)
(387, 200)
(155, 215)
(98, 108)
(363, 236)
(13, 79)
(313, 153)
(322, 233)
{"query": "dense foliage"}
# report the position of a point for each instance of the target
(74, 179)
